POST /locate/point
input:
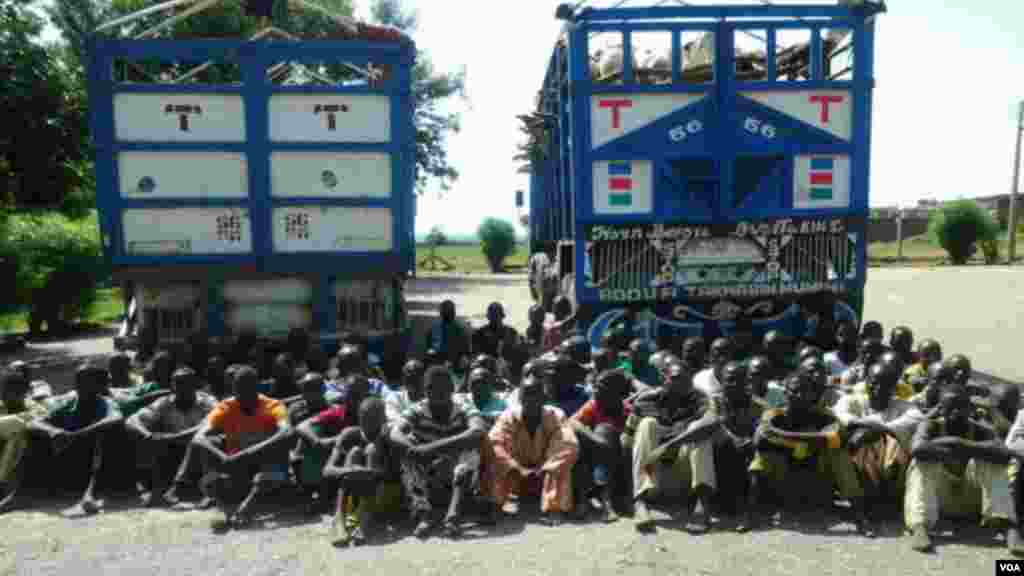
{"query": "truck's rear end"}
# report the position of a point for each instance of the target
(707, 165)
(252, 186)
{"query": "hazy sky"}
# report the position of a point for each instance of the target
(949, 76)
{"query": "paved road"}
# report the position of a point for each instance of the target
(972, 311)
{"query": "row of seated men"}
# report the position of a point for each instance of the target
(613, 432)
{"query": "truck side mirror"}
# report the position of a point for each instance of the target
(519, 198)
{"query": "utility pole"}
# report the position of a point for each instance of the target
(1012, 232)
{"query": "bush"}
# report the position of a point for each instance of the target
(56, 262)
(958, 227)
(990, 251)
(497, 240)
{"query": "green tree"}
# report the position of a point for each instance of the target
(431, 89)
(437, 238)
(498, 241)
(960, 226)
(44, 139)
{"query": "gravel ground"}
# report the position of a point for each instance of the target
(50, 539)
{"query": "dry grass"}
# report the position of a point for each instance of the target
(467, 258)
(921, 251)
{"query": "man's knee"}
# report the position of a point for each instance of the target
(463, 474)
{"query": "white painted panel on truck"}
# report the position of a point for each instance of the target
(183, 175)
(615, 115)
(330, 174)
(269, 290)
(330, 118)
(170, 231)
(332, 229)
(265, 319)
(623, 187)
(821, 181)
(168, 296)
(829, 110)
(179, 117)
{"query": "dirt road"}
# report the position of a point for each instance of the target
(973, 311)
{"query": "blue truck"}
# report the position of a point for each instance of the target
(704, 167)
(249, 186)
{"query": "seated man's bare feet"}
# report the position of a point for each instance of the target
(450, 528)
(171, 496)
(10, 502)
(423, 528)
(90, 505)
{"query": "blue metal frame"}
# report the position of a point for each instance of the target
(254, 57)
(722, 109)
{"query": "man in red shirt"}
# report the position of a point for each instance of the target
(247, 439)
(598, 425)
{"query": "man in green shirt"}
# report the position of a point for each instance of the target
(77, 426)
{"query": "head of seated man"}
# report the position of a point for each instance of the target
(120, 367)
(869, 351)
(162, 366)
(351, 359)
(872, 330)
(312, 385)
(184, 384)
(693, 353)
(810, 352)
(758, 375)
(882, 380)
(802, 393)
(901, 341)
(372, 418)
(577, 348)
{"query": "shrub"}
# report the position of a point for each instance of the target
(497, 240)
(958, 227)
(56, 263)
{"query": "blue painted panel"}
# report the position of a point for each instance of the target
(749, 176)
(253, 58)
(681, 133)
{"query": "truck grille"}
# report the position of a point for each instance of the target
(362, 306)
(818, 257)
(175, 324)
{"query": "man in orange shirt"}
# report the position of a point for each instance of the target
(247, 439)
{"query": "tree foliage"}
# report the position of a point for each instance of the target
(437, 238)
(431, 90)
(960, 226)
(497, 240)
(44, 139)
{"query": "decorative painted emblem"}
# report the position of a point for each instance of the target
(329, 179)
(146, 185)
(331, 110)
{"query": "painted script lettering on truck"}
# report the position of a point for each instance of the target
(748, 259)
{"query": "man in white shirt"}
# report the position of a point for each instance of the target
(882, 428)
(708, 380)
(398, 401)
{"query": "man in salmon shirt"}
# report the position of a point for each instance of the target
(598, 425)
(246, 439)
